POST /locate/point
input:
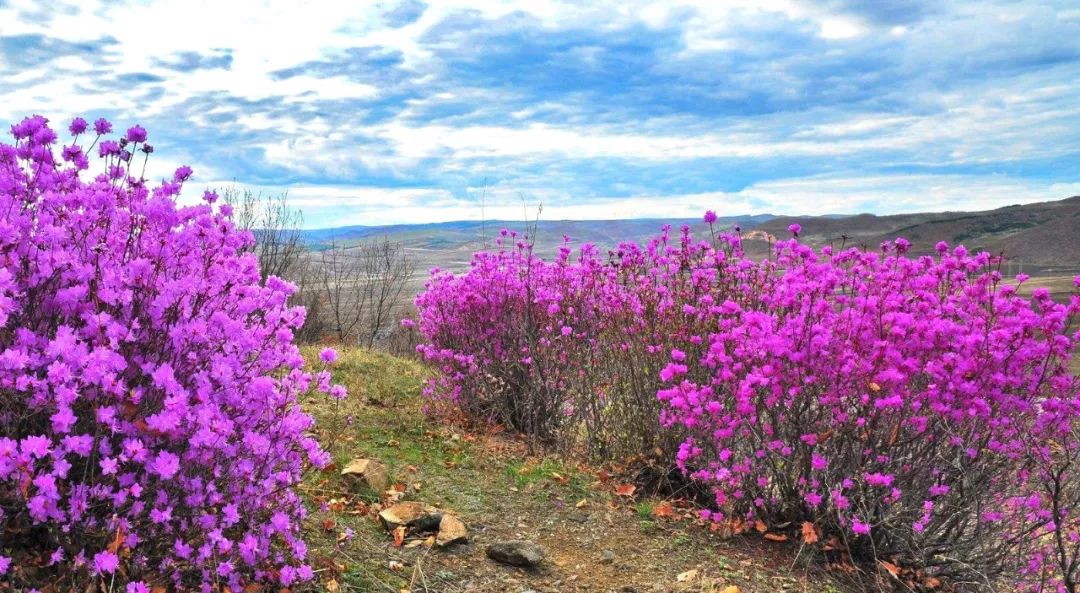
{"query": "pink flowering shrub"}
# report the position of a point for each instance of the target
(916, 408)
(567, 351)
(149, 426)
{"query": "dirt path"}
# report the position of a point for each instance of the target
(596, 540)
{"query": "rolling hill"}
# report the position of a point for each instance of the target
(1040, 238)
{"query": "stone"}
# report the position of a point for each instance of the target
(366, 473)
(607, 557)
(405, 513)
(451, 531)
(517, 553)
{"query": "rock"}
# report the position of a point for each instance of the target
(451, 530)
(408, 514)
(607, 557)
(366, 473)
(517, 553)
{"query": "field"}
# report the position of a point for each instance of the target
(596, 540)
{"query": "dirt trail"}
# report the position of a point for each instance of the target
(596, 540)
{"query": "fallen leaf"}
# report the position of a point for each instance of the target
(760, 526)
(730, 589)
(396, 566)
(399, 536)
(625, 489)
(931, 582)
(875, 387)
(776, 537)
(663, 510)
(809, 533)
(559, 478)
(687, 576)
(891, 568)
(332, 586)
(582, 503)
(328, 524)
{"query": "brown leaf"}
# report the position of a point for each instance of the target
(559, 478)
(663, 510)
(332, 586)
(894, 435)
(776, 537)
(891, 568)
(809, 533)
(760, 526)
(582, 503)
(625, 489)
(399, 536)
(730, 589)
(117, 542)
(931, 582)
(328, 524)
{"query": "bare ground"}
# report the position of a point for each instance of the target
(596, 540)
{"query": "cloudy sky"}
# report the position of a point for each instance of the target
(386, 112)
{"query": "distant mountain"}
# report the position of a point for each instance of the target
(450, 244)
(1041, 238)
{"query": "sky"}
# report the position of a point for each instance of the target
(373, 113)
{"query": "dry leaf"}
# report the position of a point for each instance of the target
(399, 536)
(328, 524)
(663, 510)
(890, 568)
(332, 586)
(730, 589)
(582, 503)
(396, 566)
(559, 478)
(809, 533)
(931, 582)
(776, 537)
(625, 489)
(760, 526)
(875, 387)
(687, 576)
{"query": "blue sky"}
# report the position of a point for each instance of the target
(388, 112)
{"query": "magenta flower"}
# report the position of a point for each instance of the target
(166, 465)
(328, 355)
(78, 126)
(105, 562)
(710, 216)
(136, 134)
(102, 126)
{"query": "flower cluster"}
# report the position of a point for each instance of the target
(150, 433)
(918, 408)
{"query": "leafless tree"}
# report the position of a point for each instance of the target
(361, 287)
(276, 226)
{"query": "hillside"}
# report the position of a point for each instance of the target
(1040, 239)
(1042, 235)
